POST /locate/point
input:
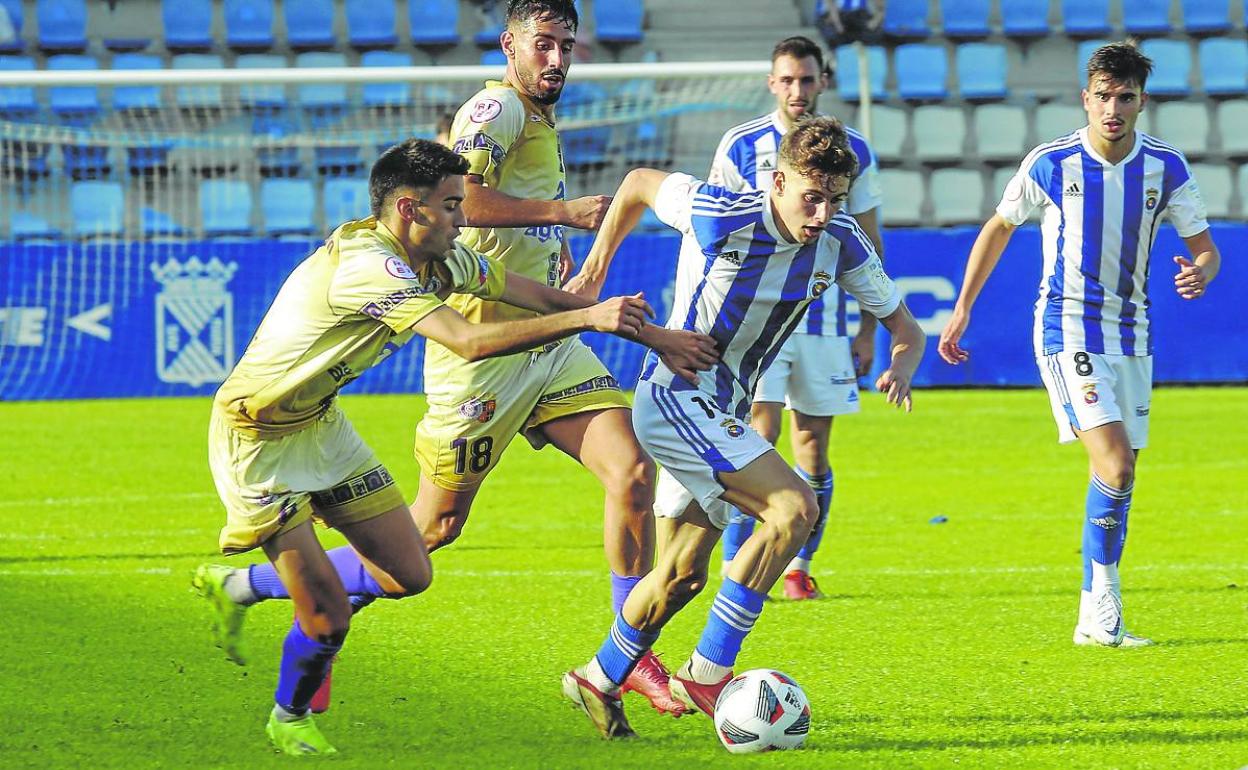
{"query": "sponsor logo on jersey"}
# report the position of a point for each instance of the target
(766, 164)
(732, 428)
(732, 257)
(486, 110)
(1151, 196)
(819, 283)
(481, 410)
(601, 382)
(480, 141)
(1072, 191)
(1089, 393)
(483, 269)
(379, 308)
(399, 269)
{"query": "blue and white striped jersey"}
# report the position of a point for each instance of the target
(745, 160)
(1098, 226)
(740, 281)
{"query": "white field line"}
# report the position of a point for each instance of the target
(505, 573)
(32, 502)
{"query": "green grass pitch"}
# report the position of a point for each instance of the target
(941, 645)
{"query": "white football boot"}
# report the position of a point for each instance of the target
(1098, 618)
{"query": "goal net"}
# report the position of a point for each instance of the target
(148, 216)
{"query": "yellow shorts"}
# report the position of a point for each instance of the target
(476, 409)
(270, 486)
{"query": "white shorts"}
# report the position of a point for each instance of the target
(813, 375)
(1088, 390)
(694, 442)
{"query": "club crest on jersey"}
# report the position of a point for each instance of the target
(399, 269)
(194, 320)
(1150, 198)
(732, 428)
(486, 110)
(481, 410)
(819, 283)
(1089, 393)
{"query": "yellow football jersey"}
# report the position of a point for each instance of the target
(342, 310)
(514, 147)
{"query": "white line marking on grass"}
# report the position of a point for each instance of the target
(128, 533)
(99, 499)
(70, 572)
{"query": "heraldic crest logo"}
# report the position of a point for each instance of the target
(194, 320)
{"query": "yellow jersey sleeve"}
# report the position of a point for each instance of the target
(374, 281)
(471, 272)
(486, 127)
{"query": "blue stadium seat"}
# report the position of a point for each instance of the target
(310, 25)
(225, 207)
(249, 24)
(188, 24)
(488, 35)
(965, 19)
(286, 206)
(157, 224)
(1172, 60)
(434, 22)
(1224, 66)
(906, 19)
(62, 25)
(16, 20)
(921, 71)
(370, 23)
(266, 97)
(583, 147)
(396, 94)
(123, 32)
(98, 208)
(207, 97)
(494, 56)
(1083, 53)
(1205, 17)
(1086, 18)
(74, 104)
(1025, 18)
(323, 103)
(847, 72)
(24, 226)
(17, 102)
(345, 199)
(24, 160)
(1147, 17)
(136, 97)
(981, 71)
(619, 21)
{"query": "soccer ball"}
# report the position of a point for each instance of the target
(762, 710)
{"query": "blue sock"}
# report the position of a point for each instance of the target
(733, 615)
(822, 485)
(740, 527)
(624, 646)
(1102, 528)
(621, 587)
(267, 585)
(304, 663)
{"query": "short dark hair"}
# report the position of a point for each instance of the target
(1122, 63)
(417, 163)
(799, 48)
(519, 11)
(819, 147)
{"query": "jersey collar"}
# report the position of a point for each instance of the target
(1087, 147)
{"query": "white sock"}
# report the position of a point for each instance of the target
(799, 564)
(1104, 576)
(282, 715)
(598, 678)
(238, 586)
(706, 671)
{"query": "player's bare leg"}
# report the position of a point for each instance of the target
(810, 436)
(440, 514)
(1111, 462)
(603, 441)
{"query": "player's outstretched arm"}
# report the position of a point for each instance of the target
(1196, 274)
(985, 254)
(619, 315)
(636, 193)
(487, 207)
(907, 351)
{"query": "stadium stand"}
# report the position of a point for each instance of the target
(957, 195)
(1243, 190)
(157, 224)
(922, 70)
(1000, 133)
(370, 23)
(907, 19)
(62, 25)
(1205, 17)
(286, 207)
(136, 98)
(939, 133)
(1057, 119)
(433, 22)
(202, 98)
(618, 22)
(982, 71)
(965, 19)
(98, 209)
(385, 95)
(188, 25)
(344, 199)
(249, 24)
(1224, 66)
(1216, 188)
(1172, 67)
(1147, 17)
(1086, 18)
(17, 18)
(310, 24)
(1025, 18)
(888, 131)
(904, 192)
(1185, 125)
(847, 72)
(262, 97)
(225, 208)
(25, 226)
(1232, 117)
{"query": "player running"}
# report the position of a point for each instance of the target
(750, 264)
(1103, 190)
(560, 394)
(282, 452)
(816, 372)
